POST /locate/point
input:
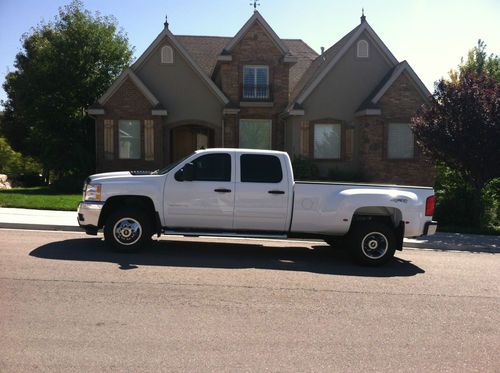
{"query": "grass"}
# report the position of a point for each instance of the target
(40, 198)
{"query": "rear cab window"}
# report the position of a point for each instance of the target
(260, 168)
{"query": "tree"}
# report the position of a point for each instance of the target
(63, 67)
(461, 125)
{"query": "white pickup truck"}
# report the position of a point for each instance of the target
(252, 193)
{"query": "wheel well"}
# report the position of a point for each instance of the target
(390, 215)
(118, 202)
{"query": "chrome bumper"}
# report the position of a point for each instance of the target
(88, 214)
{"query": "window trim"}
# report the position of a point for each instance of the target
(140, 139)
(256, 120)
(342, 139)
(255, 84)
(166, 59)
(359, 46)
(386, 143)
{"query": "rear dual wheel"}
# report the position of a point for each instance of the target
(372, 243)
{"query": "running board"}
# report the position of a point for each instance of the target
(223, 234)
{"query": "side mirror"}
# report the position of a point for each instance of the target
(186, 173)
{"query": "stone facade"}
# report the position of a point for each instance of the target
(398, 105)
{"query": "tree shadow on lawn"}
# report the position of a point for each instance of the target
(318, 259)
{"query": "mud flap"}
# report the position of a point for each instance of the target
(400, 233)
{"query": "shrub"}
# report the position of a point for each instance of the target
(304, 169)
(455, 201)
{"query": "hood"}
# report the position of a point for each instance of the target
(108, 175)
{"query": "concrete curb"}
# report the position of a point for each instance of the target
(41, 227)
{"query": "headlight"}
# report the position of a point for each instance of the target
(93, 192)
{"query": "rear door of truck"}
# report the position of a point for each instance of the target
(263, 192)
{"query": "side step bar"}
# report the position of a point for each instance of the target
(224, 234)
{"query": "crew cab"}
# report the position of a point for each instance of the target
(252, 193)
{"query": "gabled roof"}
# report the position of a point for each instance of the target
(257, 17)
(372, 100)
(205, 49)
(128, 73)
(198, 70)
(324, 63)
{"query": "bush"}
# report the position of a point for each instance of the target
(304, 169)
(455, 201)
(14, 163)
(342, 175)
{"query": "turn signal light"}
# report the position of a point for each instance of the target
(430, 203)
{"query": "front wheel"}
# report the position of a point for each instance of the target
(127, 230)
(372, 243)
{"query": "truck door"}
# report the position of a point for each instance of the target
(208, 200)
(262, 193)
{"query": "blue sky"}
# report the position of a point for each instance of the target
(432, 35)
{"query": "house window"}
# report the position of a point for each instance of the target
(130, 139)
(149, 140)
(167, 54)
(255, 134)
(256, 82)
(363, 49)
(400, 141)
(109, 150)
(327, 141)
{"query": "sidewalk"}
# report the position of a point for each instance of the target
(66, 221)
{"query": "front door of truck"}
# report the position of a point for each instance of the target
(206, 202)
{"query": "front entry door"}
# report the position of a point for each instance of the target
(187, 139)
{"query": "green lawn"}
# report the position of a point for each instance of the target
(41, 198)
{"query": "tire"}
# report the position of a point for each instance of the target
(372, 243)
(128, 230)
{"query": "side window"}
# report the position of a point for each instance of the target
(212, 167)
(257, 168)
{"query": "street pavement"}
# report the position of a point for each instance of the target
(69, 304)
(66, 221)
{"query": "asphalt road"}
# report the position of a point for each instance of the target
(69, 304)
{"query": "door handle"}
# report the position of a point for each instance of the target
(222, 190)
(276, 192)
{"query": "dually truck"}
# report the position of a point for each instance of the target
(252, 193)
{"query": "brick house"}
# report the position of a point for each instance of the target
(347, 109)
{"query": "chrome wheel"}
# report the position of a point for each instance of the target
(374, 245)
(127, 231)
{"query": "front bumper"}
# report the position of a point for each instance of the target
(88, 215)
(430, 228)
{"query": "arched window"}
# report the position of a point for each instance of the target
(363, 49)
(167, 54)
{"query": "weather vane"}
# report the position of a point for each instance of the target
(255, 4)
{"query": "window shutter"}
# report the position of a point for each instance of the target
(349, 144)
(304, 139)
(149, 140)
(108, 139)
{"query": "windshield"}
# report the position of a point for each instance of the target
(166, 169)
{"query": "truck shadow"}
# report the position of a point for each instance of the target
(318, 259)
